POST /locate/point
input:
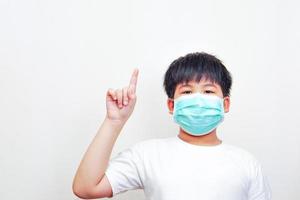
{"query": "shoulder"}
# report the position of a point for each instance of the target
(244, 159)
(242, 154)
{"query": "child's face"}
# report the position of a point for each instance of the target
(204, 87)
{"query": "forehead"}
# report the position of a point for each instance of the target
(202, 82)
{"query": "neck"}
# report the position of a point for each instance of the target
(208, 139)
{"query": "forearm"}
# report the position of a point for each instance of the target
(96, 158)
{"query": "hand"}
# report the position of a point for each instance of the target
(120, 102)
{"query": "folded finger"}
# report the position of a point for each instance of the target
(119, 97)
(125, 95)
(112, 93)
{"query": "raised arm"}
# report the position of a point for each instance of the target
(90, 181)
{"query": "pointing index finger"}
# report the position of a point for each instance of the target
(134, 77)
(132, 84)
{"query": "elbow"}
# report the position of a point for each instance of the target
(81, 191)
(85, 191)
(78, 191)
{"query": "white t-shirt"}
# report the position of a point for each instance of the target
(173, 169)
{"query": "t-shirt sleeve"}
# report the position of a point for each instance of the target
(124, 171)
(259, 187)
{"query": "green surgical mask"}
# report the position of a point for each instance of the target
(198, 114)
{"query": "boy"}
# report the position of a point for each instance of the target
(193, 165)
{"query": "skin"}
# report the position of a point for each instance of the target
(205, 87)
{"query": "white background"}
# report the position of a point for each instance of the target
(58, 58)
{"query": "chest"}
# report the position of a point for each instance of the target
(196, 177)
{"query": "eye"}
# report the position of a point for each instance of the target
(208, 91)
(186, 92)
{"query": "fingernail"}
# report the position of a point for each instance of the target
(125, 103)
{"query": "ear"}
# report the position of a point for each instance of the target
(170, 104)
(226, 104)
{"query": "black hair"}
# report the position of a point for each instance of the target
(195, 66)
